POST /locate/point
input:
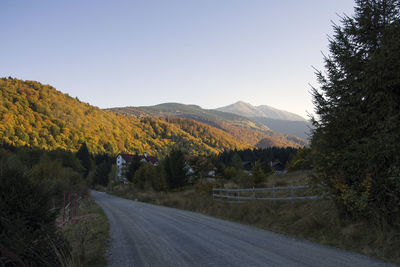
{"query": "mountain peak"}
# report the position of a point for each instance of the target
(240, 102)
(245, 109)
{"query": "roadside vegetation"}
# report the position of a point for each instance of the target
(316, 220)
(87, 235)
(32, 187)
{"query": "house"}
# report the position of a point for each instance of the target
(123, 160)
(278, 167)
(210, 178)
(247, 166)
(149, 159)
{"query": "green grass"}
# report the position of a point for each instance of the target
(315, 220)
(88, 236)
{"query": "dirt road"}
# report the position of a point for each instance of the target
(150, 235)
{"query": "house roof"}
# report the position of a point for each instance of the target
(127, 157)
(278, 166)
(276, 163)
(150, 159)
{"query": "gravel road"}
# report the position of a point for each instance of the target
(149, 235)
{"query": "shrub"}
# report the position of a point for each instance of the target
(28, 228)
(149, 177)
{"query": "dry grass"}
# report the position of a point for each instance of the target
(288, 179)
(315, 220)
(88, 236)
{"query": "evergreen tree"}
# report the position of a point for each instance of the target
(84, 156)
(236, 162)
(133, 167)
(101, 173)
(258, 175)
(357, 140)
(175, 169)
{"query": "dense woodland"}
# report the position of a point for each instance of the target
(39, 116)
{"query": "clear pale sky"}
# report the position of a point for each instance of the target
(145, 52)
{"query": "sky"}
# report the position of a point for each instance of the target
(211, 53)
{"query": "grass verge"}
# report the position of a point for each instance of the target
(316, 220)
(88, 235)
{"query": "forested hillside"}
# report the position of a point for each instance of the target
(37, 115)
(243, 129)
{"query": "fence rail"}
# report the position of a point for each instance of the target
(234, 194)
(70, 207)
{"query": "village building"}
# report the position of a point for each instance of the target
(123, 161)
(278, 168)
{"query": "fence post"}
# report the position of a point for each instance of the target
(75, 204)
(69, 208)
(291, 194)
(64, 208)
(254, 193)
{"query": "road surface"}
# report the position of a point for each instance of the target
(149, 235)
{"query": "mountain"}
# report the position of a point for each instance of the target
(250, 111)
(213, 117)
(243, 129)
(296, 128)
(277, 120)
(37, 115)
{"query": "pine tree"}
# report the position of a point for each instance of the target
(236, 162)
(258, 175)
(84, 156)
(175, 169)
(133, 167)
(102, 173)
(357, 140)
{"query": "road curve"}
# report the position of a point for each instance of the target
(149, 235)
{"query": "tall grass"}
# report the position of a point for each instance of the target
(88, 236)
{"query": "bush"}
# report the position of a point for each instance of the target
(28, 230)
(149, 177)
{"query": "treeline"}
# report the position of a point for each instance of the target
(246, 168)
(265, 155)
(39, 116)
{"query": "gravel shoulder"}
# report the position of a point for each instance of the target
(148, 235)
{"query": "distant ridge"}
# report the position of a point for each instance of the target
(277, 120)
(245, 109)
(245, 130)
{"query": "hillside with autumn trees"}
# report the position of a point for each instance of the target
(37, 115)
(243, 129)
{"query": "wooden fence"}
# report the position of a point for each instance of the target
(70, 207)
(251, 193)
